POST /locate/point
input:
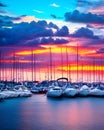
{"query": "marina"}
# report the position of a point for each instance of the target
(52, 65)
(55, 89)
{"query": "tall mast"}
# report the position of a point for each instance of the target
(82, 70)
(67, 62)
(94, 74)
(48, 67)
(50, 63)
(39, 74)
(13, 68)
(77, 62)
(32, 63)
(61, 62)
(101, 74)
(54, 71)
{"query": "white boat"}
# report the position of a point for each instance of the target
(35, 89)
(84, 91)
(96, 92)
(70, 91)
(54, 90)
(22, 91)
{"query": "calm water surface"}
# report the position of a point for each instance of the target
(41, 113)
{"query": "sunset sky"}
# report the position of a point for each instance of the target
(70, 31)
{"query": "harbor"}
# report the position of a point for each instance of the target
(20, 77)
(52, 65)
(55, 89)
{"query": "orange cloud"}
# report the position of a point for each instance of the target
(29, 52)
(26, 19)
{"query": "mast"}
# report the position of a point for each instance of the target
(54, 71)
(77, 62)
(101, 74)
(32, 64)
(67, 62)
(13, 68)
(82, 70)
(61, 62)
(94, 74)
(50, 63)
(39, 74)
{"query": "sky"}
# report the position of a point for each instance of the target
(68, 33)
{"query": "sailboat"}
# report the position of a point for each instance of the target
(54, 90)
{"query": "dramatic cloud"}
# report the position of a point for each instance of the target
(30, 33)
(90, 4)
(8, 20)
(53, 41)
(51, 25)
(37, 42)
(84, 32)
(64, 31)
(80, 17)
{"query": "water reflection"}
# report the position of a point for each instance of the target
(42, 113)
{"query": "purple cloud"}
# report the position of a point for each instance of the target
(51, 25)
(90, 4)
(80, 17)
(85, 32)
(64, 31)
(50, 40)
(19, 33)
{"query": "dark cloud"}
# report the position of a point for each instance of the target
(81, 3)
(2, 5)
(42, 23)
(84, 32)
(55, 17)
(94, 42)
(100, 51)
(8, 20)
(80, 17)
(90, 4)
(53, 41)
(46, 40)
(2, 11)
(24, 33)
(49, 40)
(51, 25)
(61, 41)
(64, 31)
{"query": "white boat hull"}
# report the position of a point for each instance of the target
(70, 92)
(54, 93)
(96, 92)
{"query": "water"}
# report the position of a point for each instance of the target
(41, 113)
